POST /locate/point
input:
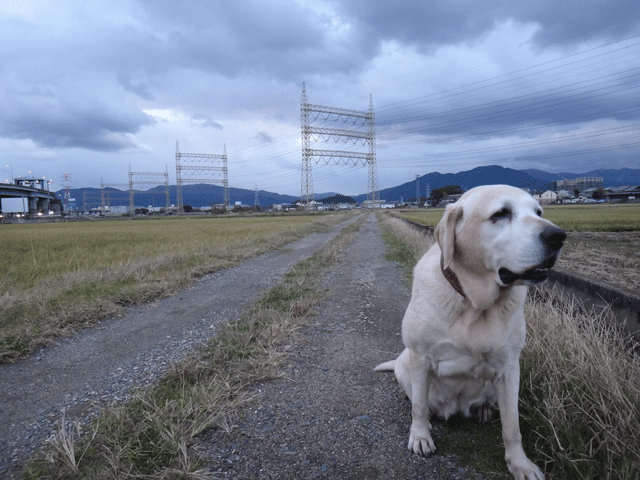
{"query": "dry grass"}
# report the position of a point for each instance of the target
(613, 256)
(580, 391)
(63, 444)
(405, 244)
(610, 256)
(153, 436)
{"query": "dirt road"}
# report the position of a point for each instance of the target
(80, 375)
(332, 417)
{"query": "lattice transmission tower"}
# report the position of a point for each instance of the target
(67, 204)
(107, 196)
(256, 202)
(201, 168)
(362, 131)
(147, 178)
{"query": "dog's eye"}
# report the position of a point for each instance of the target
(502, 214)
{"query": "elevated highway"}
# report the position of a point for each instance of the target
(32, 190)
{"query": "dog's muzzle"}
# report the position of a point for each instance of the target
(553, 238)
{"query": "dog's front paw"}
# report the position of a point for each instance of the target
(525, 470)
(421, 442)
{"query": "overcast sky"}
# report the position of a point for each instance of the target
(95, 88)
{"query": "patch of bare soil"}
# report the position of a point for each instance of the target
(610, 256)
(330, 415)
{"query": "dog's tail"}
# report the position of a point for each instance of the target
(390, 365)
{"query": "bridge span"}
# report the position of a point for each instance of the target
(32, 190)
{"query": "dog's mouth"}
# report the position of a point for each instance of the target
(536, 274)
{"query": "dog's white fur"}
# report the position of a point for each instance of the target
(462, 349)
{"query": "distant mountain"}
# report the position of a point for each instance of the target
(471, 178)
(198, 195)
(546, 176)
(611, 178)
(202, 195)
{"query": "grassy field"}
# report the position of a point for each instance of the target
(58, 277)
(617, 217)
(603, 240)
(34, 252)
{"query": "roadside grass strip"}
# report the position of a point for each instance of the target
(614, 217)
(603, 241)
(579, 392)
(152, 436)
(56, 280)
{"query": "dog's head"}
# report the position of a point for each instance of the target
(494, 237)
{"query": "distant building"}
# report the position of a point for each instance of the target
(581, 183)
(546, 197)
(370, 204)
(284, 206)
(390, 204)
(625, 192)
(117, 210)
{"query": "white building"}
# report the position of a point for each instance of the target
(546, 197)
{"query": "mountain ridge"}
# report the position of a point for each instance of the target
(202, 195)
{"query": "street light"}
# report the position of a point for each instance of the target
(11, 172)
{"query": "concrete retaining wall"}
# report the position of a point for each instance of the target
(599, 295)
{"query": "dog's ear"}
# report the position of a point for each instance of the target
(445, 233)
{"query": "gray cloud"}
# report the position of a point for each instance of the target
(264, 137)
(205, 121)
(439, 23)
(138, 87)
(69, 84)
(51, 119)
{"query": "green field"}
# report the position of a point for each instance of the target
(58, 277)
(36, 251)
(579, 218)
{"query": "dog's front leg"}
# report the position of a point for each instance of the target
(420, 440)
(506, 388)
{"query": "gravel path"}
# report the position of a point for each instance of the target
(80, 375)
(332, 416)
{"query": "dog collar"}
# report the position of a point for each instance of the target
(452, 278)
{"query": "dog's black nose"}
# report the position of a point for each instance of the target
(553, 237)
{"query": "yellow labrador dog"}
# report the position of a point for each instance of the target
(464, 327)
